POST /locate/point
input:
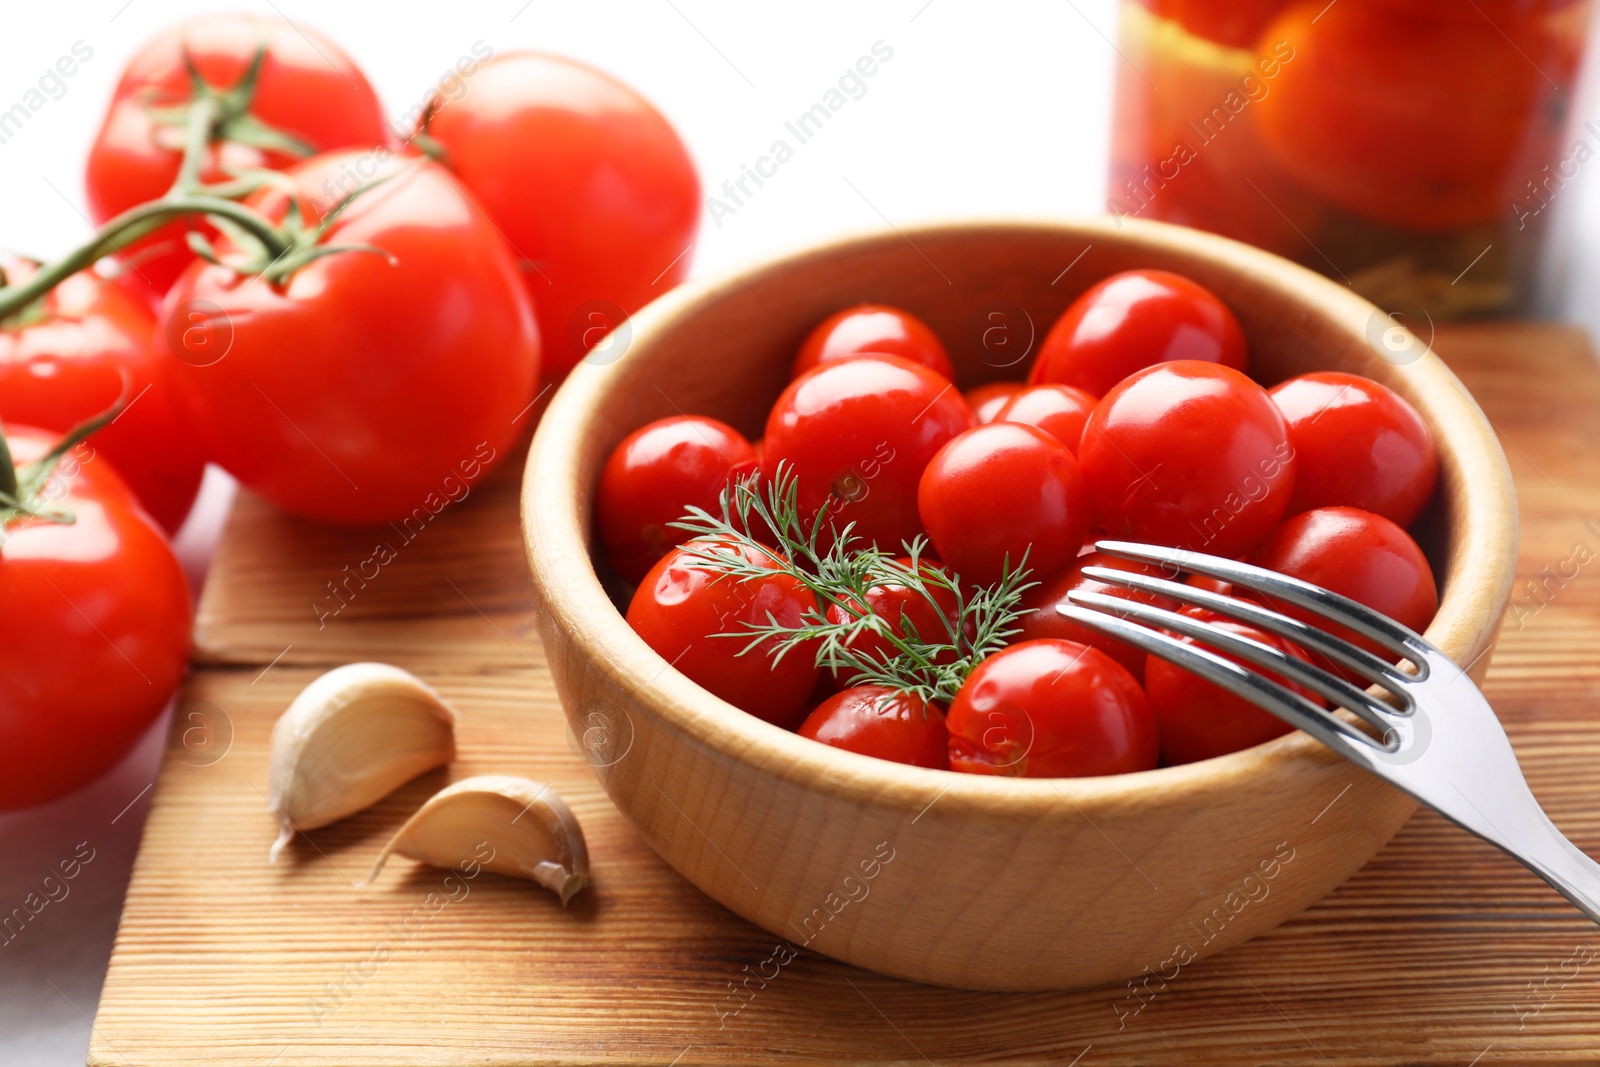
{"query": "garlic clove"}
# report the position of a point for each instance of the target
(525, 828)
(350, 738)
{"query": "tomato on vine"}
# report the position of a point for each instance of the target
(95, 635)
(277, 93)
(70, 356)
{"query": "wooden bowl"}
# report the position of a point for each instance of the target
(964, 880)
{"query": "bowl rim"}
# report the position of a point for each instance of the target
(571, 596)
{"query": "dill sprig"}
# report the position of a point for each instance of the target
(838, 569)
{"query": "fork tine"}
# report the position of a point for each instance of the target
(1261, 691)
(1329, 605)
(1336, 689)
(1387, 675)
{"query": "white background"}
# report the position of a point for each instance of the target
(992, 107)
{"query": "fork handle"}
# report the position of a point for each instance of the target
(1568, 869)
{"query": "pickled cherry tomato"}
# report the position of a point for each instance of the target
(1131, 321)
(1360, 555)
(1198, 719)
(1189, 454)
(1002, 496)
(875, 720)
(1051, 709)
(857, 435)
(682, 605)
(873, 329)
(1059, 410)
(987, 400)
(1043, 620)
(1356, 444)
(906, 612)
(654, 476)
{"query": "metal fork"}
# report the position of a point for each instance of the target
(1438, 738)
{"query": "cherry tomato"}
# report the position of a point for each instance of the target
(905, 611)
(1361, 555)
(1059, 410)
(857, 435)
(589, 184)
(1004, 496)
(1042, 620)
(72, 358)
(308, 88)
(654, 476)
(95, 634)
(873, 329)
(1198, 719)
(366, 388)
(875, 720)
(1189, 454)
(1466, 95)
(1357, 443)
(1134, 320)
(1051, 709)
(987, 400)
(682, 603)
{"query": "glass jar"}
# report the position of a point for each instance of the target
(1410, 148)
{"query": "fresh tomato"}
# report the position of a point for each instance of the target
(367, 387)
(654, 476)
(1059, 410)
(95, 633)
(1051, 709)
(1131, 321)
(1198, 719)
(1420, 115)
(307, 88)
(1044, 621)
(1357, 444)
(1360, 555)
(875, 720)
(873, 329)
(587, 182)
(1189, 454)
(682, 605)
(987, 400)
(1003, 496)
(906, 612)
(857, 435)
(86, 344)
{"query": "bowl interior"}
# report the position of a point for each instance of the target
(990, 290)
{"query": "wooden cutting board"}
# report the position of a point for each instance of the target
(1441, 951)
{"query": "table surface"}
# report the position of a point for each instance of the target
(1440, 951)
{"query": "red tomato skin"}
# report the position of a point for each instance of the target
(1051, 709)
(366, 389)
(873, 329)
(1134, 320)
(1061, 411)
(875, 720)
(857, 435)
(70, 365)
(308, 87)
(680, 605)
(999, 492)
(987, 400)
(1043, 621)
(591, 187)
(1189, 454)
(898, 605)
(95, 637)
(654, 476)
(1357, 444)
(1356, 553)
(1199, 720)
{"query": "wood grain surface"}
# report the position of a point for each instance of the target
(1439, 951)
